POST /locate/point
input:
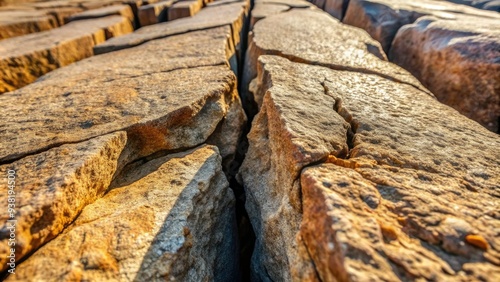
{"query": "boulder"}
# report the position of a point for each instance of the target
(45, 51)
(458, 60)
(383, 18)
(168, 95)
(171, 218)
(383, 181)
(53, 187)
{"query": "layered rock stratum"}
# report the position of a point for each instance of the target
(266, 140)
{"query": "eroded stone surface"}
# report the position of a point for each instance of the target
(262, 10)
(414, 196)
(457, 59)
(45, 51)
(16, 23)
(154, 13)
(167, 94)
(215, 16)
(184, 9)
(314, 37)
(53, 187)
(383, 18)
(170, 219)
(119, 10)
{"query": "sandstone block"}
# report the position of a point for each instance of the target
(119, 10)
(457, 59)
(19, 22)
(45, 51)
(154, 13)
(169, 219)
(184, 9)
(53, 187)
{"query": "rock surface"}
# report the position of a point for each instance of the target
(383, 18)
(45, 51)
(396, 217)
(458, 60)
(231, 14)
(118, 10)
(183, 111)
(154, 13)
(53, 187)
(184, 9)
(16, 23)
(170, 219)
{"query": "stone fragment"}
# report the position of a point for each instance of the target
(119, 10)
(169, 219)
(45, 51)
(154, 13)
(289, 3)
(53, 187)
(184, 9)
(458, 60)
(383, 18)
(263, 10)
(409, 191)
(230, 14)
(19, 22)
(327, 41)
(168, 94)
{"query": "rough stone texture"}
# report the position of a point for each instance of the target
(170, 219)
(119, 10)
(336, 8)
(167, 94)
(154, 13)
(289, 3)
(45, 51)
(230, 14)
(458, 60)
(53, 187)
(492, 5)
(263, 10)
(411, 191)
(16, 23)
(383, 18)
(184, 9)
(322, 41)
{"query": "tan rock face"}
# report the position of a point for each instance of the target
(184, 9)
(119, 10)
(170, 219)
(231, 14)
(168, 94)
(322, 41)
(45, 51)
(400, 203)
(383, 18)
(457, 59)
(16, 23)
(53, 187)
(154, 13)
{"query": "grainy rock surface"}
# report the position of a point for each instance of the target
(396, 216)
(119, 10)
(154, 13)
(45, 51)
(184, 9)
(458, 60)
(170, 219)
(53, 187)
(16, 23)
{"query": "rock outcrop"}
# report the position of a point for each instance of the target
(170, 219)
(350, 173)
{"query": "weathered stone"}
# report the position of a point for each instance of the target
(313, 37)
(289, 3)
(53, 187)
(119, 10)
(458, 60)
(169, 219)
(492, 5)
(336, 8)
(16, 23)
(154, 13)
(411, 191)
(45, 51)
(263, 10)
(184, 9)
(167, 94)
(215, 16)
(383, 18)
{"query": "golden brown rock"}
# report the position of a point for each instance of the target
(458, 60)
(184, 9)
(169, 219)
(19, 22)
(53, 187)
(45, 51)
(413, 196)
(154, 13)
